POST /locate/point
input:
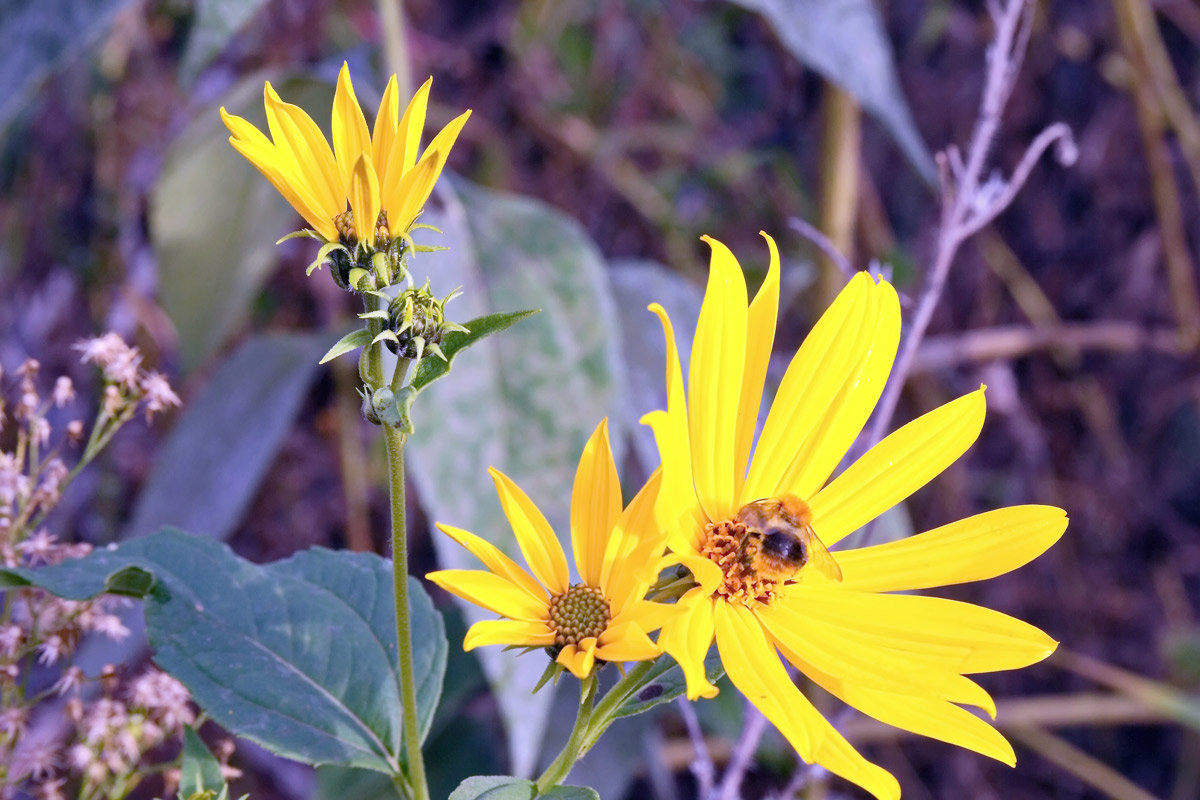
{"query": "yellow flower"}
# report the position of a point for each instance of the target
(377, 173)
(603, 617)
(752, 529)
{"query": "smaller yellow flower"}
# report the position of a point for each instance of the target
(377, 173)
(603, 617)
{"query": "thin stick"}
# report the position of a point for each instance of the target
(968, 203)
(701, 764)
(822, 242)
(743, 750)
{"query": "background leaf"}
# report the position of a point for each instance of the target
(200, 770)
(569, 793)
(298, 656)
(214, 220)
(846, 42)
(664, 683)
(37, 35)
(214, 24)
(210, 466)
(524, 401)
(488, 787)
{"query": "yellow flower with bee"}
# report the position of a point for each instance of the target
(755, 521)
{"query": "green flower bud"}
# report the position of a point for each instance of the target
(418, 319)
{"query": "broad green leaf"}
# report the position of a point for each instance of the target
(298, 656)
(339, 783)
(214, 220)
(37, 36)
(430, 369)
(845, 41)
(200, 771)
(569, 793)
(488, 787)
(351, 341)
(211, 465)
(664, 682)
(525, 401)
(214, 24)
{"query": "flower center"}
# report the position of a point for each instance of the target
(579, 612)
(733, 547)
(344, 223)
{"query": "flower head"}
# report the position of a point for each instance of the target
(377, 173)
(755, 530)
(603, 617)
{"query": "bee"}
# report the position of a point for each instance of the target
(781, 527)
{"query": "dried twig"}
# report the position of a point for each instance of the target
(822, 242)
(701, 763)
(969, 202)
(743, 750)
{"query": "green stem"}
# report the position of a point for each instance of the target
(573, 749)
(618, 694)
(408, 684)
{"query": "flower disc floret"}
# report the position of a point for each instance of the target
(578, 613)
(726, 544)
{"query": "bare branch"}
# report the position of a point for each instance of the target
(743, 750)
(822, 242)
(701, 764)
(969, 202)
(1013, 341)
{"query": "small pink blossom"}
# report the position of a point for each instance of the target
(11, 637)
(51, 650)
(64, 391)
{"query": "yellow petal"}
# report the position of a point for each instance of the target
(411, 126)
(579, 659)
(972, 549)
(678, 512)
(936, 719)
(534, 535)
(839, 652)
(755, 669)
(687, 637)
(626, 642)
(296, 134)
(842, 422)
(715, 382)
(648, 616)
(490, 591)
(495, 560)
(760, 336)
(508, 632)
(896, 467)
(595, 505)
(383, 135)
(364, 200)
(960, 636)
(925, 715)
(632, 551)
(407, 197)
(826, 361)
(351, 140)
(259, 151)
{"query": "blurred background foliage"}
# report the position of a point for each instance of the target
(606, 138)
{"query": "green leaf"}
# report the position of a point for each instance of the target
(226, 439)
(36, 36)
(664, 682)
(214, 24)
(430, 369)
(214, 220)
(200, 771)
(351, 341)
(298, 656)
(494, 787)
(527, 402)
(845, 41)
(569, 793)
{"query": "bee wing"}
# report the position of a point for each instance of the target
(820, 557)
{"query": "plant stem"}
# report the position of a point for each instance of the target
(575, 746)
(394, 440)
(618, 694)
